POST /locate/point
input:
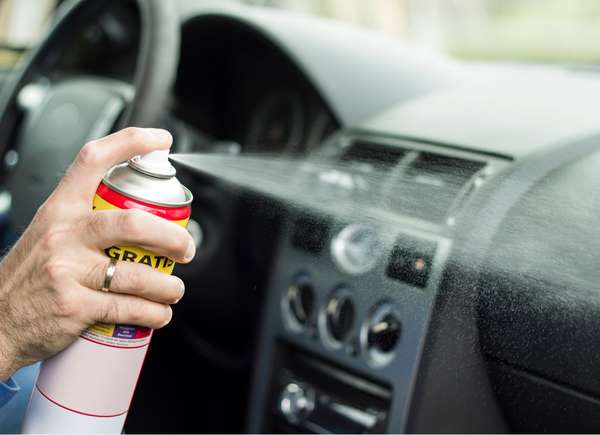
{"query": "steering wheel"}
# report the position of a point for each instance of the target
(45, 138)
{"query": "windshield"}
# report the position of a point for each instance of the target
(557, 31)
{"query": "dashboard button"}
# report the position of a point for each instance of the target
(411, 261)
(356, 249)
(296, 402)
(309, 234)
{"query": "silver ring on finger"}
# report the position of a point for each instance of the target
(108, 276)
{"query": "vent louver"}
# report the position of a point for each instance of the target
(373, 156)
(408, 178)
(431, 183)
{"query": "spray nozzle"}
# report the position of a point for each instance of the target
(155, 163)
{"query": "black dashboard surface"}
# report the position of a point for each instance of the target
(524, 269)
(539, 305)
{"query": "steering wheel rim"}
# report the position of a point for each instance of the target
(155, 71)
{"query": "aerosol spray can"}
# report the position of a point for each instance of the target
(88, 387)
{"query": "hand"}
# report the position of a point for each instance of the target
(49, 281)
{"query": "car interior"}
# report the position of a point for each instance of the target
(429, 263)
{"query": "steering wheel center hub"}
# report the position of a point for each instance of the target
(53, 133)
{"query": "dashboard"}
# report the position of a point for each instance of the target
(447, 281)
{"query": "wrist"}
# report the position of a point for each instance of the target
(7, 359)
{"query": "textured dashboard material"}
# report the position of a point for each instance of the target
(540, 300)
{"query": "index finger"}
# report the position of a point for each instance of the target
(96, 157)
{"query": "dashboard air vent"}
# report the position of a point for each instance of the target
(431, 183)
(373, 156)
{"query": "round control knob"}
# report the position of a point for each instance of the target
(380, 335)
(340, 316)
(299, 302)
(356, 249)
(384, 335)
(336, 318)
(296, 402)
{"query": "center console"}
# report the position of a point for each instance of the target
(350, 299)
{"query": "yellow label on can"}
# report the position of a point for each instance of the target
(126, 336)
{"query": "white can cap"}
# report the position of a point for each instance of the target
(156, 164)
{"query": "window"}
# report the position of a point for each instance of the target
(22, 23)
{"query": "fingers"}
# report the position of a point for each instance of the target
(138, 280)
(139, 228)
(125, 309)
(98, 156)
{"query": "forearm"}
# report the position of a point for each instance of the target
(8, 364)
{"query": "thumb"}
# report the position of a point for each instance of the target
(96, 157)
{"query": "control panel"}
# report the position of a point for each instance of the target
(309, 395)
(354, 284)
(356, 302)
